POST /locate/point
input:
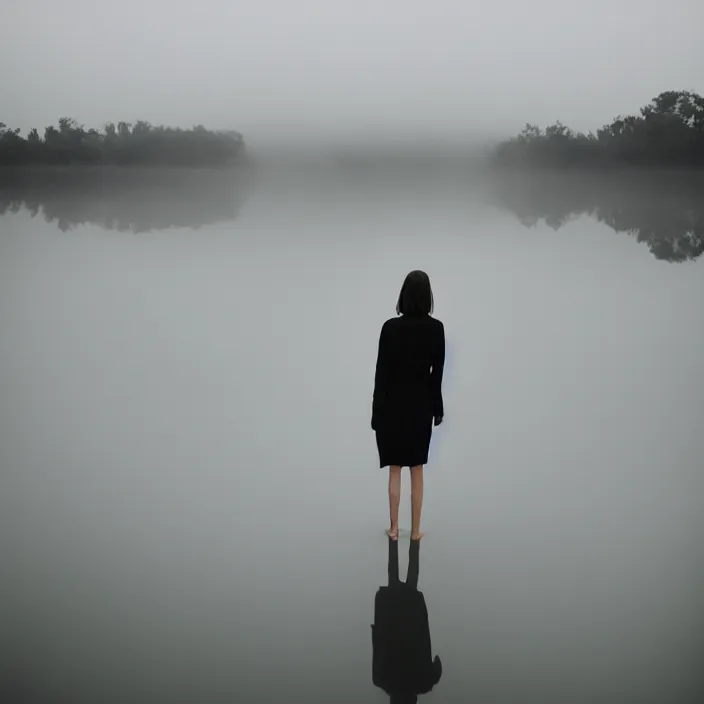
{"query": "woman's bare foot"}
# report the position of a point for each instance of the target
(392, 533)
(417, 536)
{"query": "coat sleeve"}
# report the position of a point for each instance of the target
(381, 377)
(437, 371)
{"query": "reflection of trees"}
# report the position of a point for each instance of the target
(123, 199)
(664, 211)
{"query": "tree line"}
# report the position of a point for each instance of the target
(124, 144)
(668, 132)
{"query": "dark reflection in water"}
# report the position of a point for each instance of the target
(402, 663)
(663, 210)
(124, 199)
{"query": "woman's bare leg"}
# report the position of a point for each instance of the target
(416, 501)
(394, 500)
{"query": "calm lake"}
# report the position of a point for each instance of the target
(191, 507)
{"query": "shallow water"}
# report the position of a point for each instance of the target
(191, 504)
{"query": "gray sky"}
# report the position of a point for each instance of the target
(325, 68)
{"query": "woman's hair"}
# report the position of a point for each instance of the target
(416, 297)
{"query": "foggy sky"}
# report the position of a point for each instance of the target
(327, 69)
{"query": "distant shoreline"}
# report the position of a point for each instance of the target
(124, 144)
(668, 132)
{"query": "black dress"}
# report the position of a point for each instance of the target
(408, 388)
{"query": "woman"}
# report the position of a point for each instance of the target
(408, 393)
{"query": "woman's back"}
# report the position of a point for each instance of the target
(408, 392)
(415, 343)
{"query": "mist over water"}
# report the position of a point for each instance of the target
(191, 507)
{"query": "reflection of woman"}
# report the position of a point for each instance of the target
(408, 393)
(402, 662)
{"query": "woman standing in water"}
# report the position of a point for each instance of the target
(408, 393)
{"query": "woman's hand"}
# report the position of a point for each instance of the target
(438, 420)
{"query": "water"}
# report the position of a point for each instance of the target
(191, 504)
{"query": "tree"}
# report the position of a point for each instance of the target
(69, 142)
(668, 131)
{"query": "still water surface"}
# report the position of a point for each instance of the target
(191, 504)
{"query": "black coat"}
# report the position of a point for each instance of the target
(408, 388)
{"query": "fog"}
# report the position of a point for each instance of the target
(191, 508)
(191, 504)
(315, 71)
